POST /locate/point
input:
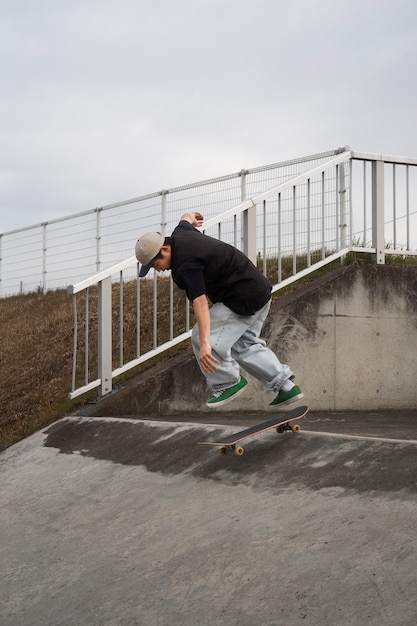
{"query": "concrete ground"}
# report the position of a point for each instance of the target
(129, 522)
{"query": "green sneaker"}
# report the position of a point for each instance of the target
(221, 397)
(286, 397)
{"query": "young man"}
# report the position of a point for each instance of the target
(227, 335)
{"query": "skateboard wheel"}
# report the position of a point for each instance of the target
(223, 451)
(280, 429)
(296, 428)
(239, 450)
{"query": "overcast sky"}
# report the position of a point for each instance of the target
(105, 100)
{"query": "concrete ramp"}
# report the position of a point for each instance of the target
(315, 458)
(125, 522)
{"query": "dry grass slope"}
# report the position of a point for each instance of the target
(35, 362)
(36, 351)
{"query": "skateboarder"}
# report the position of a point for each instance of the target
(227, 335)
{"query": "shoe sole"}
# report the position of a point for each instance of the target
(223, 402)
(286, 402)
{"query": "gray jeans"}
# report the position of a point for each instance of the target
(235, 341)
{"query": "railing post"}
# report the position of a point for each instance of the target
(105, 336)
(243, 174)
(342, 197)
(378, 211)
(98, 238)
(248, 223)
(163, 211)
(249, 233)
(407, 205)
(44, 249)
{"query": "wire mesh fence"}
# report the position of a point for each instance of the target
(61, 252)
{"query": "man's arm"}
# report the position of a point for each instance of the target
(201, 310)
(202, 315)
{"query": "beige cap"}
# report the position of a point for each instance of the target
(146, 249)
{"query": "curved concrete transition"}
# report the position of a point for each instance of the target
(130, 522)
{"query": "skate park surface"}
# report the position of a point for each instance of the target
(115, 516)
(130, 522)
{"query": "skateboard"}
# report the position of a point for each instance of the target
(281, 423)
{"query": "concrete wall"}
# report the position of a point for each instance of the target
(350, 337)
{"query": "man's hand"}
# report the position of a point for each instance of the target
(194, 218)
(207, 360)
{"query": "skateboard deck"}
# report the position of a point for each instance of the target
(279, 422)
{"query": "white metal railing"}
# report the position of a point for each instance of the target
(352, 202)
(56, 253)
